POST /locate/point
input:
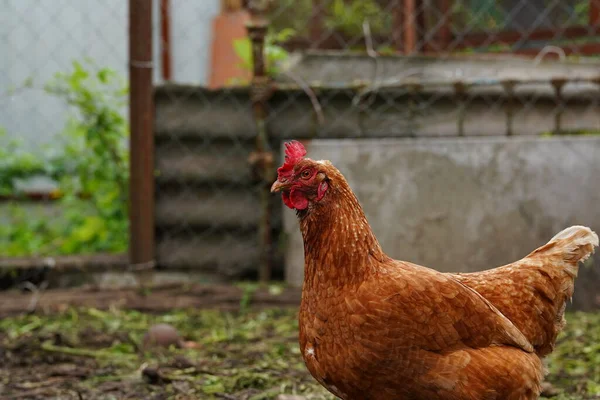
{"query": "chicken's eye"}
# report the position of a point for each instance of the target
(305, 174)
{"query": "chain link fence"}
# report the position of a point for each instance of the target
(382, 69)
(64, 178)
(440, 26)
(327, 69)
(63, 141)
(207, 213)
(503, 59)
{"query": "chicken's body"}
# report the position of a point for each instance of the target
(409, 333)
(376, 328)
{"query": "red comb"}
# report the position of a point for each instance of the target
(294, 152)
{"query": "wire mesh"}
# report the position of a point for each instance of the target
(426, 69)
(337, 69)
(63, 145)
(208, 212)
(506, 59)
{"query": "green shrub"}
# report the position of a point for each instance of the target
(89, 161)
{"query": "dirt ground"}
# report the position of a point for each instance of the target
(154, 300)
(245, 348)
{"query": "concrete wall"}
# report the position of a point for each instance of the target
(466, 204)
(331, 67)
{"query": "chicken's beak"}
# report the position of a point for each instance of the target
(278, 186)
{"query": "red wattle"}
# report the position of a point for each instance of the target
(286, 200)
(298, 199)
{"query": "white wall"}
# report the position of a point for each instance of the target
(191, 39)
(41, 37)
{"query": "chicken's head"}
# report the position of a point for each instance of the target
(301, 180)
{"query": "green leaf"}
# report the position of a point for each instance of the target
(243, 49)
(89, 229)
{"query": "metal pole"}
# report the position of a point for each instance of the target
(397, 25)
(260, 92)
(165, 38)
(141, 119)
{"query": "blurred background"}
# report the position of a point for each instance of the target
(138, 142)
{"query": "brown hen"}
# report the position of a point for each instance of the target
(376, 328)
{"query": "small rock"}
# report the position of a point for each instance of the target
(289, 397)
(162, 335)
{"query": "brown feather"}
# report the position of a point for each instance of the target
(533, 291)
(375, 328)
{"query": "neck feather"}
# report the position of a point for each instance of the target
(339, 244)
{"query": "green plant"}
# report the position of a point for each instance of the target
(275, 54)
(96, 156)
(16, 164)
(581, 12)
(293, 14)
(90, 167)
(349, 17)
(477, 15)
(340, 15)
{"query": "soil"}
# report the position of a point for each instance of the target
(234, 343)
(157, 299)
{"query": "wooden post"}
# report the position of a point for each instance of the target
(445, 32)
(141, 147)
(410, 27)
(594, 13)
(317, 22)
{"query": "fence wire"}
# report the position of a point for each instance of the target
(336, 69)
(357, 69)
(64, 136)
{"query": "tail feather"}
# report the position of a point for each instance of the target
(567, 248)
(533, 291)
(572, 245)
